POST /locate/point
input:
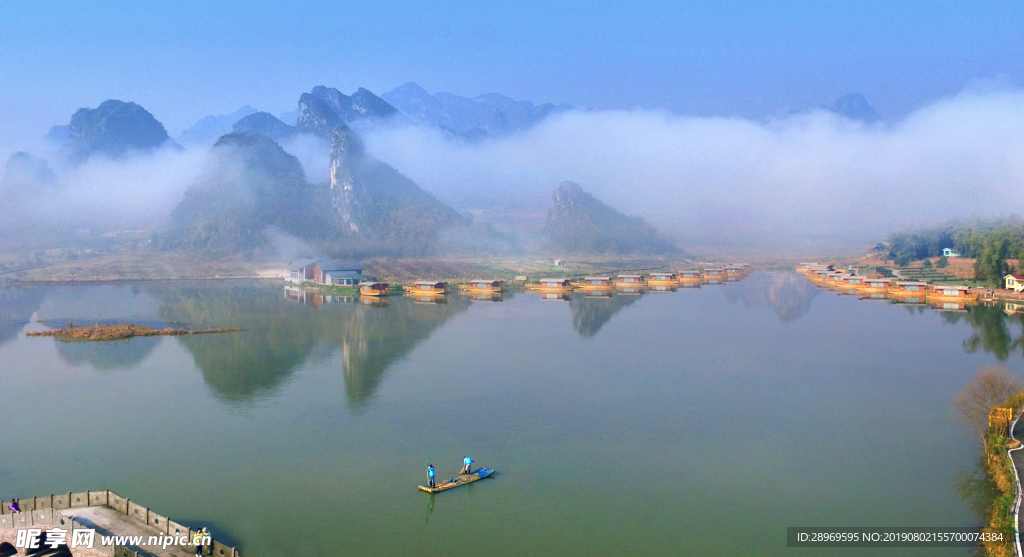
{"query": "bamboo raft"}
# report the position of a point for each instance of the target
(460, 480)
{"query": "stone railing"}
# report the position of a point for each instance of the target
(42, 511)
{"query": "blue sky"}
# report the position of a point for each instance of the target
(183, 60)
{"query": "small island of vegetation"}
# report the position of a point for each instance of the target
(117, 332)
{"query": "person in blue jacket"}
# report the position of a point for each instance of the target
(430, 472)
(466, 464)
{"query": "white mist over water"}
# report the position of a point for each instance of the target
(813, 172)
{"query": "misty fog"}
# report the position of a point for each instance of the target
(703, 178)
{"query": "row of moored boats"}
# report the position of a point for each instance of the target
(878, 287)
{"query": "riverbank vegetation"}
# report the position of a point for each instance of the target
(992, 243)
(987, 403)
(117, 332)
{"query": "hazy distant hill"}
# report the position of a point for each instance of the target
(378, 209)
(855, 107)
(265, 123)
(325, 108)
(209, 128)
(249, 185)
(580, 223)
(25, 178)
(252, 185)
(113, 129)
(488, 114)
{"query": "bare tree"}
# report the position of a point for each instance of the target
(993, 386)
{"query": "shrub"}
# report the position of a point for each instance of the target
(943, 262)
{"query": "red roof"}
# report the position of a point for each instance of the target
(1016, 277)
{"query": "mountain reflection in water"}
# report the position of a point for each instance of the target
(789, 294)
(279, 335)
(590, 313)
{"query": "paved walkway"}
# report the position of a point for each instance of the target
(109, 522)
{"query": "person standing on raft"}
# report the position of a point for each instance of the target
(430, 472)
(466, 464)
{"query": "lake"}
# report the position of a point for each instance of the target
(703, 421)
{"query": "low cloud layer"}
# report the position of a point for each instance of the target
(701, 177)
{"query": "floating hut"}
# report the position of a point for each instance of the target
(373, 288)
(483, 286)
(427, 288)
(875, 285)
(951, 293)
(715, 272)
(663, 279)
(692, 276)
(595, 283)
(630, 281)
(914, 289)
(733, 270)
(552, 285)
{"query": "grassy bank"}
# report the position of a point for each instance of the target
(998, 468)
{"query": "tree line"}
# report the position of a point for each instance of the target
(989, 241)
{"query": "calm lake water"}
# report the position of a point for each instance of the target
(702, 422)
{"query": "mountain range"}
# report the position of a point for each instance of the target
(489, 114)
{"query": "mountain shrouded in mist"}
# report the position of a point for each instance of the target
(377, 207)
(249, 185)
(855, 107)
(325, 108)
(113, 128)
(209, 128)
(488, 114)
(252, 187)
(265, 123)
(580, 223)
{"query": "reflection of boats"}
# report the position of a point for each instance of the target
(951, 306)
(630, 290)
(662, 288)
(592, 293)
(565, 295)
(713, 280)
(429, 299)
(373, 288)
(941, 292)
(662, 279)
(480, 286)
(689, 285)
(487, 296)
(876, 296)
(551, 285)
(630, 281)
(460, 480)
(427, 288)
(910, 300)
(378, 302)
